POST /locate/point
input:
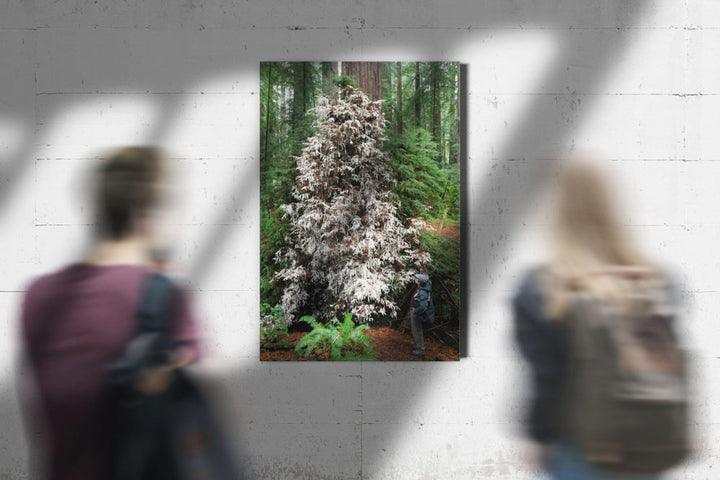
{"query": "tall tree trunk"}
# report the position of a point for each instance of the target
(453, 125)
(417, 94)
(387, 71)
(348, 70)
(299, 124)
(399, 99)
(267, 111)
(298, 99)
(328, 71)
(304, 86)
(367, 75)
(436, 118)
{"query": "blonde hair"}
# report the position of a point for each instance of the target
(590, 244)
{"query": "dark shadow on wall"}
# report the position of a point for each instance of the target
(332, 421)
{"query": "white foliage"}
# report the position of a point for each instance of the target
(347, 247)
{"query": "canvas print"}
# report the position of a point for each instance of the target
(360, 211)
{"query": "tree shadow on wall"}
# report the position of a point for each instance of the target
(339, 418)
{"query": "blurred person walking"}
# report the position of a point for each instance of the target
(596, 325)
(78, 320)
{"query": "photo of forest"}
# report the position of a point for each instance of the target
(360, 211)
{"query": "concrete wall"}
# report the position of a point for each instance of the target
(635, 79)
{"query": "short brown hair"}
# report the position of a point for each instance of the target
(127, 185)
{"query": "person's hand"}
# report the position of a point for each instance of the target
(536, 456)
(152, 381)
(544, 457)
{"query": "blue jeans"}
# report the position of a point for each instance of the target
(566, 464)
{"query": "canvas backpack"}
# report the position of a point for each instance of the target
(424, 305)
(626, 403)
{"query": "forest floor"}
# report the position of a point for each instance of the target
(451, 232)
(391, 345)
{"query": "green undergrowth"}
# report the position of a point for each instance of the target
(273, 330)
(336, 341)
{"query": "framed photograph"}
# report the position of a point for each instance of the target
(360, 211)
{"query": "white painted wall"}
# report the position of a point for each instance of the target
(638, 80)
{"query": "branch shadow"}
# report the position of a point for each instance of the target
(305, 420)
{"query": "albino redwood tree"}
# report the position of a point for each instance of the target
(347, 248)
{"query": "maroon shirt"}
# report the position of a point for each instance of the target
(75, 322)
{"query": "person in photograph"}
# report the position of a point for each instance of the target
(422, 311)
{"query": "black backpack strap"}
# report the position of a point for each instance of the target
(153, 315)
(151, 344)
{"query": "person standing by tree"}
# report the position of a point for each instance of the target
(422, 311)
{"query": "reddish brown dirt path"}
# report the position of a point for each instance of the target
(391, 344)
(394, 345)
(451, 232)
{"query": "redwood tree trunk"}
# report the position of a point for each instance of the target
(399, 99)
(267, 111)
(367, 75)
(436, 103)
(328, 71)
(417, 94)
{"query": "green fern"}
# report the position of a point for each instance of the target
(341, 341)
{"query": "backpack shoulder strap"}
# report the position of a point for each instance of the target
(152, 338)
(151, 342)
(153, 315)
